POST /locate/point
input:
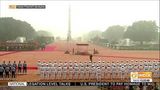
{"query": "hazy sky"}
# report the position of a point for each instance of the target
(85, 15)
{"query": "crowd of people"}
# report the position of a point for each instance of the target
(9, 70)
(100, 70)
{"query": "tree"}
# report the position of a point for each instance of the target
(114, 33)
(44, 37)
(44, 33)
(92, 34)
(142, 31)
(10, 29)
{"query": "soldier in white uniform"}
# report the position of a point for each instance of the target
(127, 74)
(92, 72)
(99, 63)
(136, 65)
(76, 72)
(142, 67)
(145, 66)
(50, 70)
(82, 73)
(103, 72)
(46, 71)
(150, 66)
(118, 65)
(53, 70)
(130, 68)
(155, 69)
(42, 71)
(70, 71)
(38, 66)
(56, 70)
(122, 71)
(87, 70)
(113, 67)
(108, 70)
(59, 74)
(64, 71)
(98, 73)
(95, 64)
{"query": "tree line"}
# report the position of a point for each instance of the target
(139, 31)
(11, 28)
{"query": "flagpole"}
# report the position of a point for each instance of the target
(69, 29)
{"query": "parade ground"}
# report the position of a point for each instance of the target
(55, 52)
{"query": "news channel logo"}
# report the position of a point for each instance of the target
(141, 76)
(27, 6)
(17, 83)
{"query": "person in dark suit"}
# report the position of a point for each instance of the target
(90, 57)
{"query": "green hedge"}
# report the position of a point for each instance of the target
(138, 47)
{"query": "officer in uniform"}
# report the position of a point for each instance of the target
(24, 67)
(1, 72)
(9, 65)
(13, 72)
(19, 67)
(14, 65)
(7, 70)
(4, 65)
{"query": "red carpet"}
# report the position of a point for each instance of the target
(50, 47)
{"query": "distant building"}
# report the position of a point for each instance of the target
(126, 42)
(20, 39)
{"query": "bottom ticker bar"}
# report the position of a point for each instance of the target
(88, 83)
